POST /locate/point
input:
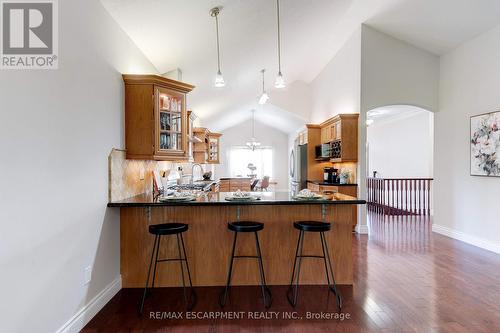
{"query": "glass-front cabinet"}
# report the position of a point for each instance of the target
(171, 122)
(156, 122)
(214, 148)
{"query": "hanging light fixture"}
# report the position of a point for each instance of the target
(219, 80)
(253, 143)
(280, 81)
(264, 97)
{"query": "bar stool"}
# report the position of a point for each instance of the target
(312, 226)
(247, 226)
(165, 229)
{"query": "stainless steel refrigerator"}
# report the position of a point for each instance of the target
(298, 167)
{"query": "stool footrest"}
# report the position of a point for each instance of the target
(171, 259)
(311, 256)
(247, 257)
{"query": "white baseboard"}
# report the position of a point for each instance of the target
(85, 314)
(469, 239)
(361, 228)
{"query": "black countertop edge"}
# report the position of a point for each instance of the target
(239, 203)
(321, 182)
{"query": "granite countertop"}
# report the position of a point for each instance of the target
(218, 199)
(322, 182)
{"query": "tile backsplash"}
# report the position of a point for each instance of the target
(127, 178)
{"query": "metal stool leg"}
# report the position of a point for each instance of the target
(298, 257)
(156, 261)
(263, 285)
(222, 302)
(333, 287)
(182, 269)
(193, 293)
(149, 272)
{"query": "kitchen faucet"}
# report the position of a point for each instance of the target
(192, 171)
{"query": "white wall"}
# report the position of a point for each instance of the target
(56, 131)
(337, 88)
(268, 136)
(466, 206)
(394, 72)
(402, 146)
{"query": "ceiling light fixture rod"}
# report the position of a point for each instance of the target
(263, 71)
(216, 12)
(279, 36)
(280, 81)
(219, 80)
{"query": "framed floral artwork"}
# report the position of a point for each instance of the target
(485, 144)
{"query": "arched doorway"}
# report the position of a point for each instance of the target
(399, 160)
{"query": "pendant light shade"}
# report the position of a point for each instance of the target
(264, 97)
(280, 81)
(219, 79)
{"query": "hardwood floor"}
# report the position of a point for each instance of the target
(407, 279)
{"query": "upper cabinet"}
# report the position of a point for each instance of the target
(341, 132)
(214, 148)
(156, 120)
(206, 146)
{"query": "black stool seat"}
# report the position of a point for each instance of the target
(312, 226)
(245, 226)
(168, 228)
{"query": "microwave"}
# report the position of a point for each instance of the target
(323, 151)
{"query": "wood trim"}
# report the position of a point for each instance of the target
(157, 80)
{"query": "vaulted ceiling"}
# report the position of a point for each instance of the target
(181, 34)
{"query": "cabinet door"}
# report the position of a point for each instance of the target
(324, 188)
(338, 130)
(170, 123)
(324, 134)
(213, 147)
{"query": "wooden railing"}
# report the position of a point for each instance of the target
(400, 196)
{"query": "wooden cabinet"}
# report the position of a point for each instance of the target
(213, 148)
(156, 122)
(206, 149)
(341, 132)
(235, 184)
(200, 146)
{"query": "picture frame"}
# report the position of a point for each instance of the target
(485, 144)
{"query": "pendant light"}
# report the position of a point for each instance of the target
(219, 80)
(280, 81)
(264, 97)
(253, 143)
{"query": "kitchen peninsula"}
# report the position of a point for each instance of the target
(209, 243)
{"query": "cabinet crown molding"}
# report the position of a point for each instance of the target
(157, 80)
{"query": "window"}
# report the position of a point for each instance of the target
(240, 157)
